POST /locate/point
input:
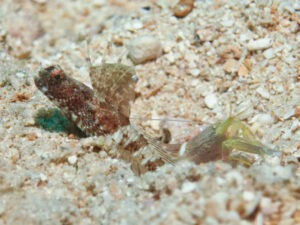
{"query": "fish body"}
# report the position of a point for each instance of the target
(103, 110)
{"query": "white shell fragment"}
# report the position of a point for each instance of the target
(211, 100)
(269, 53)
(144, 48)
(188, 186)
(72, 159)
(259, 44)
(195, 72)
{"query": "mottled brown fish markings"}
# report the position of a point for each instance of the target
(93, 115)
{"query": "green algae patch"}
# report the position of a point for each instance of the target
(54, 120)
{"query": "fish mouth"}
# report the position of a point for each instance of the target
(41, 80)
(40, 84)
(37, 80)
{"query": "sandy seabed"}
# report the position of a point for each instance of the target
(245, 54)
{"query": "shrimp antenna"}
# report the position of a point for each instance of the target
(121, 55)
(161, 119)
(237, 115)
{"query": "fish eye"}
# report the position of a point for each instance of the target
(56, 74)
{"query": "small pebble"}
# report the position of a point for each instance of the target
(20, 75)
(262, 118)
(252, 201)
(259, 219)
(183, 8)
(144, 48)
(116, 191)
(211, 100)
(294, 27)
(188, 187)
(195, 72)
(2, 208)
(43, 177)
(243, 71)
(248, 196)
(134, 25)
(263, 92)
(259, 44)
(216, 204)
(231, 65)
(228, 22)
(72, 159)
(170, 57)
(269, 53)
(244, 37)
(288, 113)
(234, 178)
(267, 207)
(99, 3)
(207, 34)
(154, 124)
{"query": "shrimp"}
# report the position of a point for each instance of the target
(219, 141)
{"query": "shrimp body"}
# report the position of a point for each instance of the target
(218, 142)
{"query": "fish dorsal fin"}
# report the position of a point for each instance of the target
(114, 83)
